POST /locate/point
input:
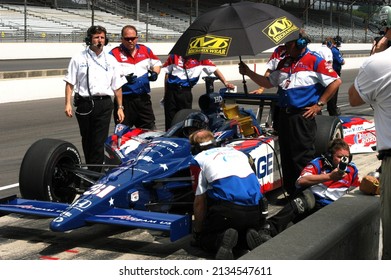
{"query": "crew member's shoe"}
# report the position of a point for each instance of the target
(304, 202)
(266, 232)
(227, 243)
(253, 238)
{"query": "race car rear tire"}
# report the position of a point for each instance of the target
(43, 175)
(182, 115)
(328, 128)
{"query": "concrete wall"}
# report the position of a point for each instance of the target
(37, 87)
(58, 50)
(347, 229)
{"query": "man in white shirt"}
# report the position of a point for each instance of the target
(373, 86)
(94, 76)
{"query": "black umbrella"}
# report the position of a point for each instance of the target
(242, 28)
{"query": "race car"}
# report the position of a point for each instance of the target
(145, 181)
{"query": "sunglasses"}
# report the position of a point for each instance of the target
(130, 38)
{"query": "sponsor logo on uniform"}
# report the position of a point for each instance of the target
(279, 29)
(209, 44)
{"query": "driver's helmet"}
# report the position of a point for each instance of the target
(195, 121)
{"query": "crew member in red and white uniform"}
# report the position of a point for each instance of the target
(324, 180)
(327, 182)
(305, 83)
(140, 66)
(181, 76)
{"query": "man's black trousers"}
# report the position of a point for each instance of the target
(94, 122)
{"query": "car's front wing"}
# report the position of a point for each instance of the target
(177, 226)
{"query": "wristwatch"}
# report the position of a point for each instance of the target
(121, 107)
(320, 104)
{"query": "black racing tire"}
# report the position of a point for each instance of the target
(328, 128)
(182, 115)
(42, 174)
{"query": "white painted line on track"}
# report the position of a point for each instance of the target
(9, 187)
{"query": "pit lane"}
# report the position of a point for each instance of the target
(29, 238)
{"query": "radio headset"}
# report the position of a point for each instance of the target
(197, 148)
(88, 40)
(94, 30)
(302, 42)
(328, 157)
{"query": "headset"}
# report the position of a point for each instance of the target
(94, 30)
(197, 148)
(302, 42)
(328, 157)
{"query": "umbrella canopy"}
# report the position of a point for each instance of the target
(242, 28)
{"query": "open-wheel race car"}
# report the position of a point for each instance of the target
(145, 181)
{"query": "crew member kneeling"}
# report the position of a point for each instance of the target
(227, 198)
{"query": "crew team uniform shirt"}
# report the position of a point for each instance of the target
(232, 192)
(329, 191)
(301, 82)
(277, 55)
(224, 181)
(337, 59)
(135, 97)
(325, 52)
(181, 78)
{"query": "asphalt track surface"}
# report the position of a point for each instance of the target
(29, 238)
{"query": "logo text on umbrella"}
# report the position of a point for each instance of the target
(209, 44)
(279, 29)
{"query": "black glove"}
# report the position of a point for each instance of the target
(152, 75)
(131, 78)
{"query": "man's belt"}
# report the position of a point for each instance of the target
(133, 95)
(232, 205)
(383, 154)
(100, 97)
(292, 110)
(178, 87)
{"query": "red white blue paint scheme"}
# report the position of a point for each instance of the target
(145, 181)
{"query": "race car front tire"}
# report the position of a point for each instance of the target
(45, 173)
